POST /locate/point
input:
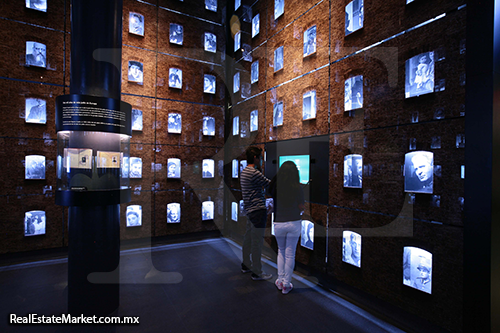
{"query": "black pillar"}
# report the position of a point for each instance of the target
(94, 231)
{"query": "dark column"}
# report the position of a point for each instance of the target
(482, 180)
(94, 231)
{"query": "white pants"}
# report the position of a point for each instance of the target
(287, 235)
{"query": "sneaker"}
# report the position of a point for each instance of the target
(278, 284)
(287, 289)
(263, 276)
(245, 269)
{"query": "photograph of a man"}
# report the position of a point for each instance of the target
(353, 171)
(174, 212)
(254, 120)
(208, 168)
(351, 253)
(134, 216)
(135, 72)
(255, 25)
(176, 34)
(136, 120)
(310, 41)
(278, 114)
(253, 185)
(36, 54)
(419, 172)
(174, 123)
(136, 24)
(209, 126)
(135, 167)
(417, 269)
(236, 82)
(34, 223)
(35, 111)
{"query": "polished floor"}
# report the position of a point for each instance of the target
(187, 287)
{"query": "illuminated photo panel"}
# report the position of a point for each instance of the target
(354, 14)
(417, 269)
(136, 24)
(247, 52)
(419, 172)
(234, 169)
(234, 211)
(237, 4)
(243, 165)
(35, 111)
(209, 84)
(242, 208)
(353, 93)
(278, 114)
(135, 72)
(237, 41)
(279, 8)
(211, 5)
(40, 5)
(307, 235)
(309, 105)
(353, 171)
(236, 82)
(125, 165)
(176, 34)
(254, 72)
(278, 59)
(174, 212)
(135, 167)
(136, 120)
(302, 162)
(351, 248)
(210, 42)
(134, 216)
(208, 168)
(419, 75)
(175, 78)
(255, 25)
(209, 126)
(236, 125)
(254, 120)
(310, 41)
(34, 167)
(174, 123)
(34, 223)
(207, 210)
(173, 168)
(36, 54)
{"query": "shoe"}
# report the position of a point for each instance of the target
(263, 276)
(287, 289)
(278, 284)
(245, 269)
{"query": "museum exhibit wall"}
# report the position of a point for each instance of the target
(400, 114)
(152, 46)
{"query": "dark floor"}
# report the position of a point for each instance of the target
(194, 287)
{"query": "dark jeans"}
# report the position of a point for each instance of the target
(253, 240)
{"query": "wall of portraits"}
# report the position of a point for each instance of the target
(388, 95)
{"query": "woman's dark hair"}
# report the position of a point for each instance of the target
(286, 184)
(251, 153)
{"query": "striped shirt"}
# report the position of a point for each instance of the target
(252, 182)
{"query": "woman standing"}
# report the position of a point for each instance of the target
(288, 198)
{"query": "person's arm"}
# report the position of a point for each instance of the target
(301, 199)
(259, 179)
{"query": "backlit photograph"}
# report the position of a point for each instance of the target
(419, 172)
(176, 34)
(34, 223)
(207, 210)
(175, 78)
(210, 42)
(307, 235)
(209, 84)
(254, 72)
(278, 114)
(135, 72)
(174, 212)
(309, 105)
(34, 167)
(209, 126)
(353, 93)
(254, 120)
(278, 59)
(134, 216)
(255, 25)
(310, 41)
(135, 167)
(136, 120)
(351, 248)
(36, 54)
(208, 168)
(35, 111)
(354, 15)
(417, 269)
(174, 123)
(353, 171)
(419, 75)
(173, 168)
(136, 24)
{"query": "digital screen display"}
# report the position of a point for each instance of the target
(417, 269)
(134, 216)
(302, 162)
